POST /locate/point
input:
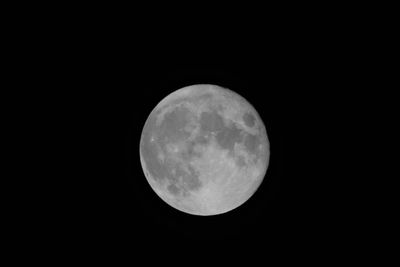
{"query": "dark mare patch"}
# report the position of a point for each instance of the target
(228, 136)
(249, 119)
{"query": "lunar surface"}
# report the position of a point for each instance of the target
(204, 150)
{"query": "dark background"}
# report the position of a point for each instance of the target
(98, 93)
(85, 90)
(97, 100)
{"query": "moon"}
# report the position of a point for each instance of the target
(199, 152)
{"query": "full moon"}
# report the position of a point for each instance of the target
(204, 150)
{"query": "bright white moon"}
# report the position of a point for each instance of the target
(204, 150)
